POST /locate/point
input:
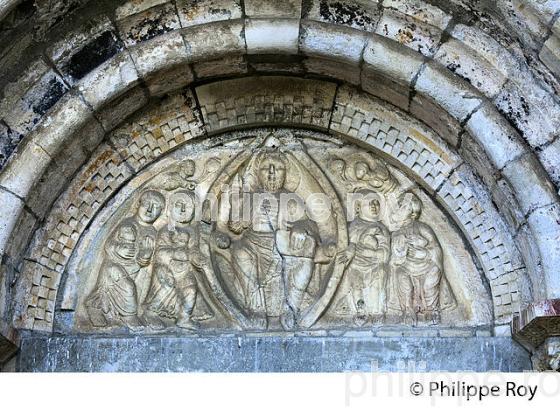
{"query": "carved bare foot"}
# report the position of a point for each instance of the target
(153, 320)
(360, 320)
(187, 323)
(133, 323)
(288, 319)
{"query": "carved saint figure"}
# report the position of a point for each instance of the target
(417, 263)
(173, 289)
(128, 250)
(363, 288)
(274, 256)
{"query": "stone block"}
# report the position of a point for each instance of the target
(19, 239)
(388, 70)
(118, 110)
(273, 8)
(349, 73)
(28, 98)
(279, 64)
(60, 125)
(386, 89)
(455, 96)
(270, 100)
(227, 67)
(443, 101)
(358, 14)
(467, 64)
(129, 8)
(456, 332)
(549, 157)
(148, 23)
(499, 140)
(195, 12)
(550, 54)
(421, 11)
(532, 109)
(24, 169)
(84, 49)
(274, 36)
(215, 40)
(163, 63)
(10, 211)
(502, 331)
(486, 48)
(169, 80)
(109, 81)
(385, 57)
(9, 140)
(410, 32)
(530, 183)
(544, 223)
(436, 118)
(331, 42)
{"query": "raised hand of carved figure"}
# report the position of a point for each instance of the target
(345, 256)
(297, 240)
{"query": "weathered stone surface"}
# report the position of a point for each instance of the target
(317, 40)
(216, 40)
(195, 12)
(28, 99)
(227, 67)
(9, 212)
(542, 223)
(550, 158)
(148, 23)
(467, 64)
(281, 101)
(278, 36)
(531, 109)
(18, 177)
(277, 9)
(86, 48)
(273, 354)
(358, 14)
(528, 179)
(109, 81)
(421, 37)
(550, 54)
(420, 11)
(500, 141)
(388, 70)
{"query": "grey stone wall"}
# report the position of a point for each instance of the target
(270, 354)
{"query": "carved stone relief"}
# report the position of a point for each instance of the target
(274, 230)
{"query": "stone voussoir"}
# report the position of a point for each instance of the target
(272, 36)
(332, 42)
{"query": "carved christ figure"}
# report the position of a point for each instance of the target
(270, 245)
(127, 251)
(417, 263)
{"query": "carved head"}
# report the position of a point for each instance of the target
(182, 207)
(368, 206)
(409, 208)
(150, 206)
(361, 170)
(271, 171)
(187, 170)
